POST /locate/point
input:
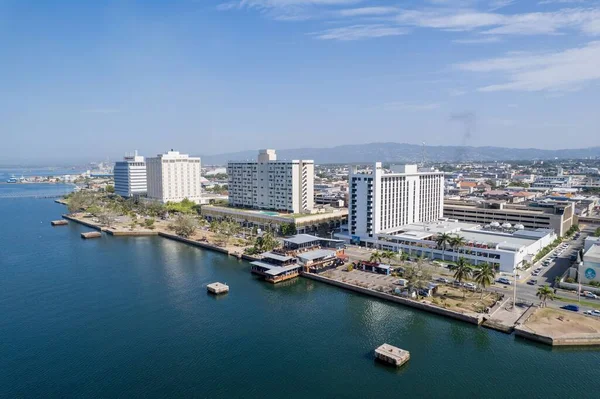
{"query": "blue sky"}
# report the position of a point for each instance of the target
(85, 80)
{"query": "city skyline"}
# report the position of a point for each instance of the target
(85, 80)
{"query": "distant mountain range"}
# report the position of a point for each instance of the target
(401, 152)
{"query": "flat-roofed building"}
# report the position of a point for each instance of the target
(173, 177)
(387, 199)
(272, 184)
(130, 176)
(555, 216)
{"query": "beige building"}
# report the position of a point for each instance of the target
(558, 217)
(173, 177)
(270, 184)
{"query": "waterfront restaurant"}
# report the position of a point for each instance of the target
(305, 242)
(275, 267)
(318, 259)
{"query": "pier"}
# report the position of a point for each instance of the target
(91, 234)
(59, 222)
(392, 355)
(217, 288)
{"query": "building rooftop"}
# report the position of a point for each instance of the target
(592, 254)
(316, 254)
(281, 258)
(300, 239)
(274, 270)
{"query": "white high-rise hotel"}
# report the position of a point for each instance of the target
(173, 177)
(382, 202)
(271, 184)
(130, 176)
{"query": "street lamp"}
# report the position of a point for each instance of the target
(515, 290)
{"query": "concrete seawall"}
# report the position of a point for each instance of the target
(477, 320)
(87, 224)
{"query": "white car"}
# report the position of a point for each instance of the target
(592, 313)
(504, 280)
(589, 294)
(470, 286)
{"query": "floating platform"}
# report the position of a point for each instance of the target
(217, 288)
(392, 355)
(91, 234)
(61, 222)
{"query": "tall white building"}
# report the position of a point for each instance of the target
(173, 177)
(130, 176)
(271, 184)
(382, 201)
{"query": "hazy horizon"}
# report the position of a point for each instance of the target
(93, 80)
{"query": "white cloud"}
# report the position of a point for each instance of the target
(497, 4)
(357, 32)
(562, 71)
(585, 20)
(367, 11)
(409, 106)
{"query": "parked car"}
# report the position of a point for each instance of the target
(589, 294)
(470, 286)
(442, 280)
(424, 293)
(504, 280)
(535, 273)
(572, 308)
(539, 269)
(457, 283)
(532, 282)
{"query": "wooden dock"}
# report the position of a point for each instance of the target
(217, 288)
(91, 234)
(392, 355)
(61, 222)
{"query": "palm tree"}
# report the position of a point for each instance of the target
(456, 242)
(376, 257)
(389, 255)
(462, 271)
(545, 293)
(484, 276)
(443, 240)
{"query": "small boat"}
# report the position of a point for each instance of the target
(12, 179)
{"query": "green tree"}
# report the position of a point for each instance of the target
(375, 257)
(184, 225)
(597, 232)
(389, 255)
(456, 242)
(545, 293)
(484, 276)
(441, 241)
(107, 217)
(94, 210)
(149, 223)
(462, 271)
(418, 277)
(109, 188)
(288, 229)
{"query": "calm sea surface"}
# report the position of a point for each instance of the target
(130, 317)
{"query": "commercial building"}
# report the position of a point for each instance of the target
(173, 177)
(130, 176)
(270, 184)
(324, 223)
(589, 269)
(535, 215)
(502, 247)
(381, 201)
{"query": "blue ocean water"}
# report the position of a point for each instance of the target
(130, 317)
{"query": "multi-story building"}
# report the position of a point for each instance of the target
(271, 184)
(130, 176)
(552, 182)
(536, 215)
(173, 177)
(382, 201)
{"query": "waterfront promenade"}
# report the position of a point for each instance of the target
(498, 316)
